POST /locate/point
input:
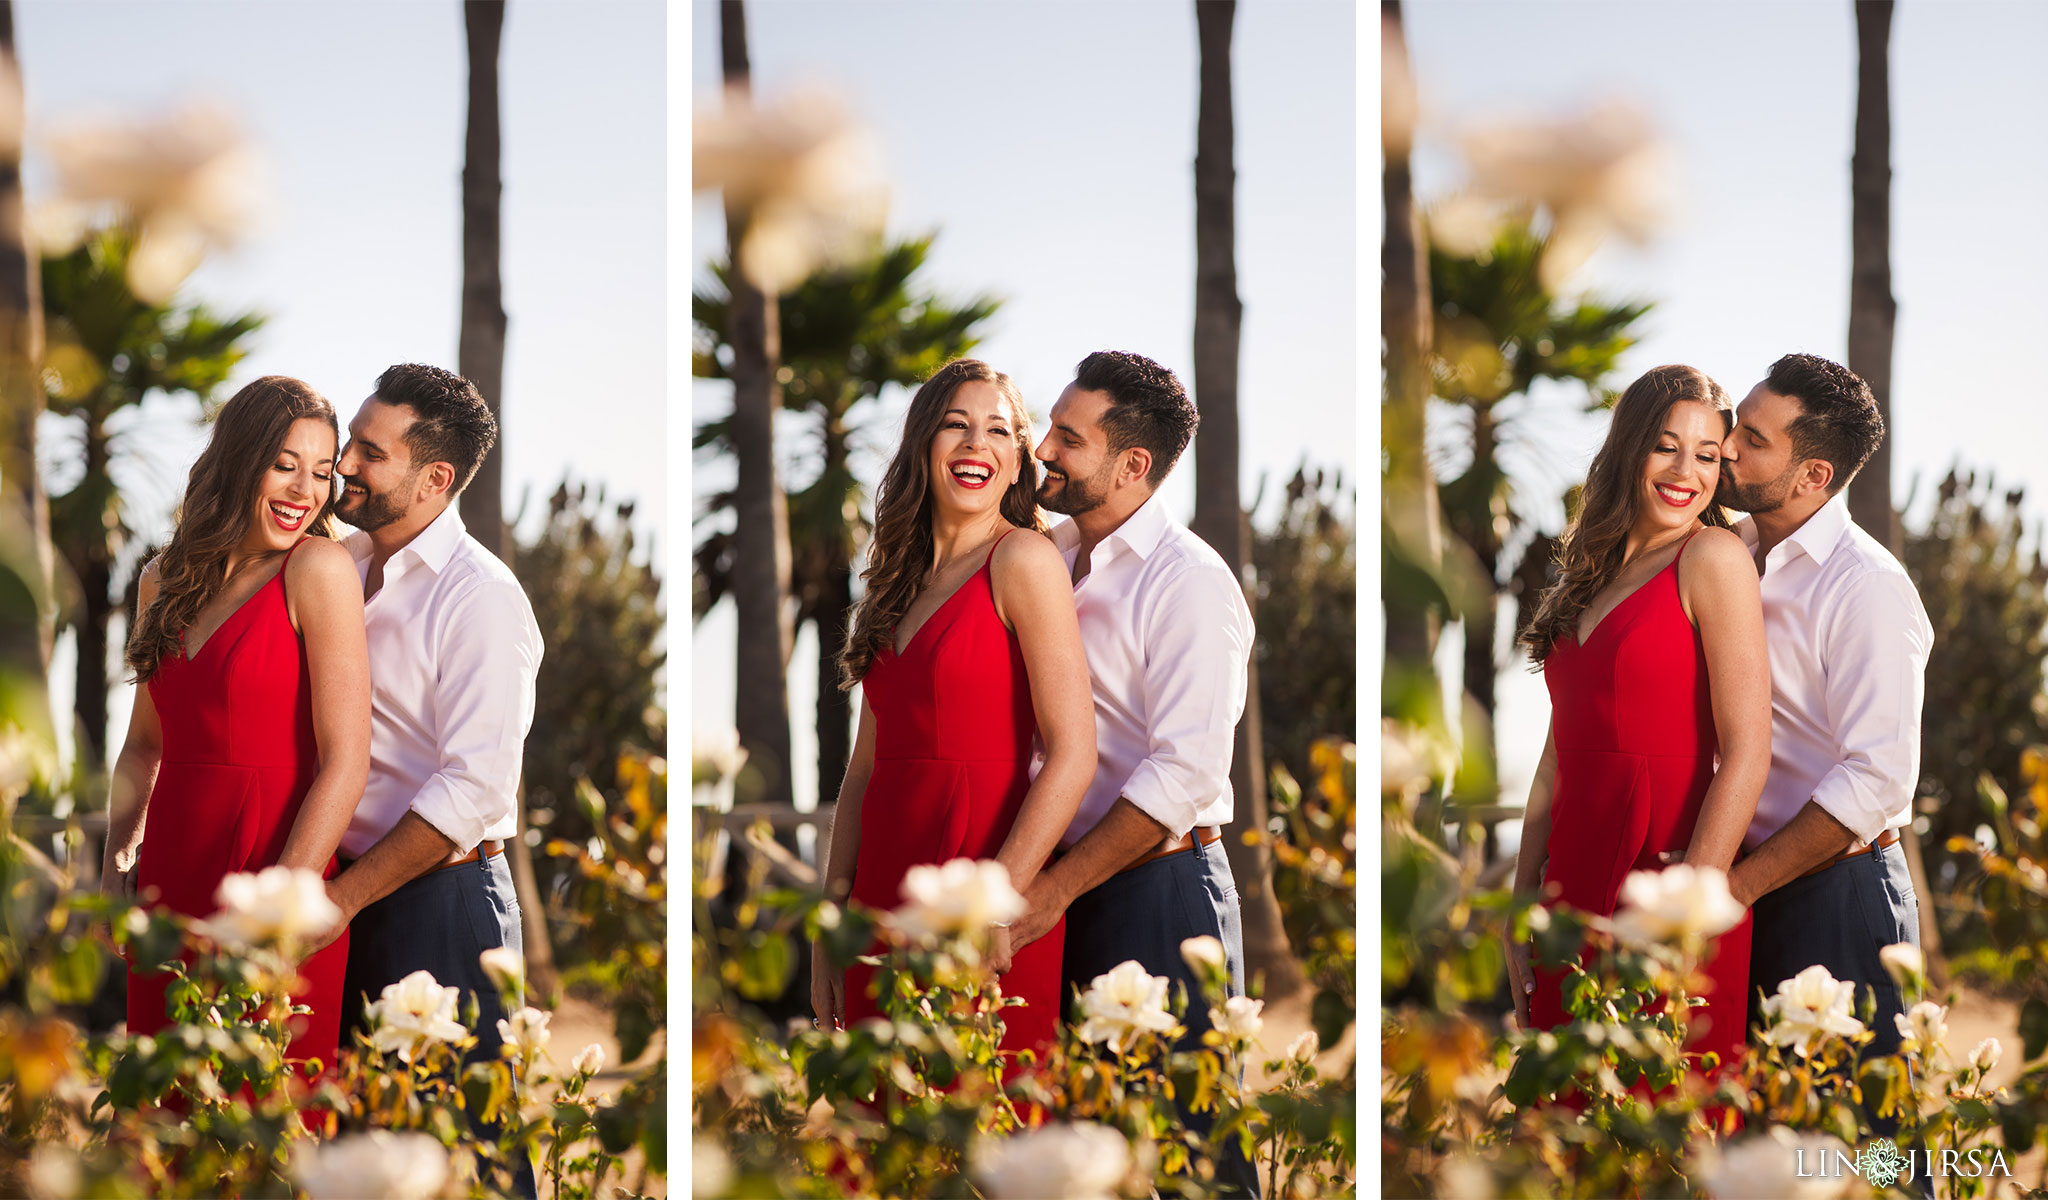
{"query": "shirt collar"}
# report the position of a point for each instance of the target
(1141, 532)
(434, 545)
(1818, 536)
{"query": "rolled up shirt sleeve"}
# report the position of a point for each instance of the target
(1875, 649)
(1198, 641)
(483, 707)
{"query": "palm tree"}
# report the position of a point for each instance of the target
(1219, 512)
(108, 351)
(761, 534)
(27, 617)
(847, 333)
(480, 352)
(1497, 331)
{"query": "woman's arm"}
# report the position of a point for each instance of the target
(844, 846)
(1035, 597)
(1719, 587)
(134, 773)
(326, 600)
(1534, 849)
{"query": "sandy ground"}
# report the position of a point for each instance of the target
(576, 1024)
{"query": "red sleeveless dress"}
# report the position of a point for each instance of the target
(953, 742)
(1634, 728)
(238, 758)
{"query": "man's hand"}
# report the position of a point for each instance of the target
(314, 945)
(1048, 904)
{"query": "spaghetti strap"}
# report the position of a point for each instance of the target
(990, 564)
(1676, 574)
(282, 584)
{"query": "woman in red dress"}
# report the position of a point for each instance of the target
(250, 740)
(1651, 642)
(966, 648)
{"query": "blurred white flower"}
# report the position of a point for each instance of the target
(589, 1060)
(190, 181)
(1809, 1008)
(715, 755)
(1684, 901)
(414, 1013)
(400, 1166)
(53, 1173)
(1238, 1019)
(1304, 1049)
(1464, 1177)
(525, 1031)
(806, 177)
(1923, 1031)
(1084, 1162)
(1204, 954)
(1768, 1164)
(1600, 172)
(1904, 961)
(962, 896)
(710, 1169)
(277, 905)
(1986, 1055)
(1123, 1005)
(504, 965)
(1404, 761)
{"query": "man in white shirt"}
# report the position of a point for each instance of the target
(454, 653)
(1848, 640)
(1169, 639)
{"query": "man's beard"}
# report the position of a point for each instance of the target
(1076, 496)
(374, 512)
(1754, 497)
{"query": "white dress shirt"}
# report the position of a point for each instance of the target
(1169, 642)
(1848, 640)
(454, 652)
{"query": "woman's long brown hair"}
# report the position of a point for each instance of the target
(1595, 544)
(901, 554)
(248, 432)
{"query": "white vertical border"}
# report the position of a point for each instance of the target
(1371, 616)
(680, 581)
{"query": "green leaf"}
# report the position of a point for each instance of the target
(617, 1126)
(2033, 1027)
(766, 962)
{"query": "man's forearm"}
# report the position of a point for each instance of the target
(411, 849)
(1124, 834)
(1810, 838)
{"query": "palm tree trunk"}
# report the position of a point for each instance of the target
(481, 351)
(1873, 313)
(835, 707)
(1482, 622)
(27, 614)
(480, 358)
(1219, 513)
(761, 538)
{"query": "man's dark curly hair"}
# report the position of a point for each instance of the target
(1840, 423)
(1150, 408)
(451, 422)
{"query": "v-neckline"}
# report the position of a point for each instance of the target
(934, 614)
(193, 655)
(1623, 602)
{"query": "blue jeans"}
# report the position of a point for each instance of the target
(1145, 913)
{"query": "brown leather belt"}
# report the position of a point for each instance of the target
(483, 850)
(1889, 837)
(1207, 835)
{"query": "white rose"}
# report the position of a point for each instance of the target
(1123, 1005)
(526, 1031)
(1768, 1164)
(1809, 1008)
(962, 896)
(1238, 1019)
(1084, 1162)
(1923, 1031)
(277, 905)
(1661, 907)
(1904, 961)
(1304, 1049)
(589, 1060)
(414, 1013)
(1204, 954)
(53, 1173)
(504, 965)
(1986, 1055)
(710, 1168)
(1464, 1177)
(401, 1166)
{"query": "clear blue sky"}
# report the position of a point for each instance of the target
(1052, 144)
(359, 110)
(1758, 101)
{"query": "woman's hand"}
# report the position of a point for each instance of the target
(1521, 976)
(828, 990)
